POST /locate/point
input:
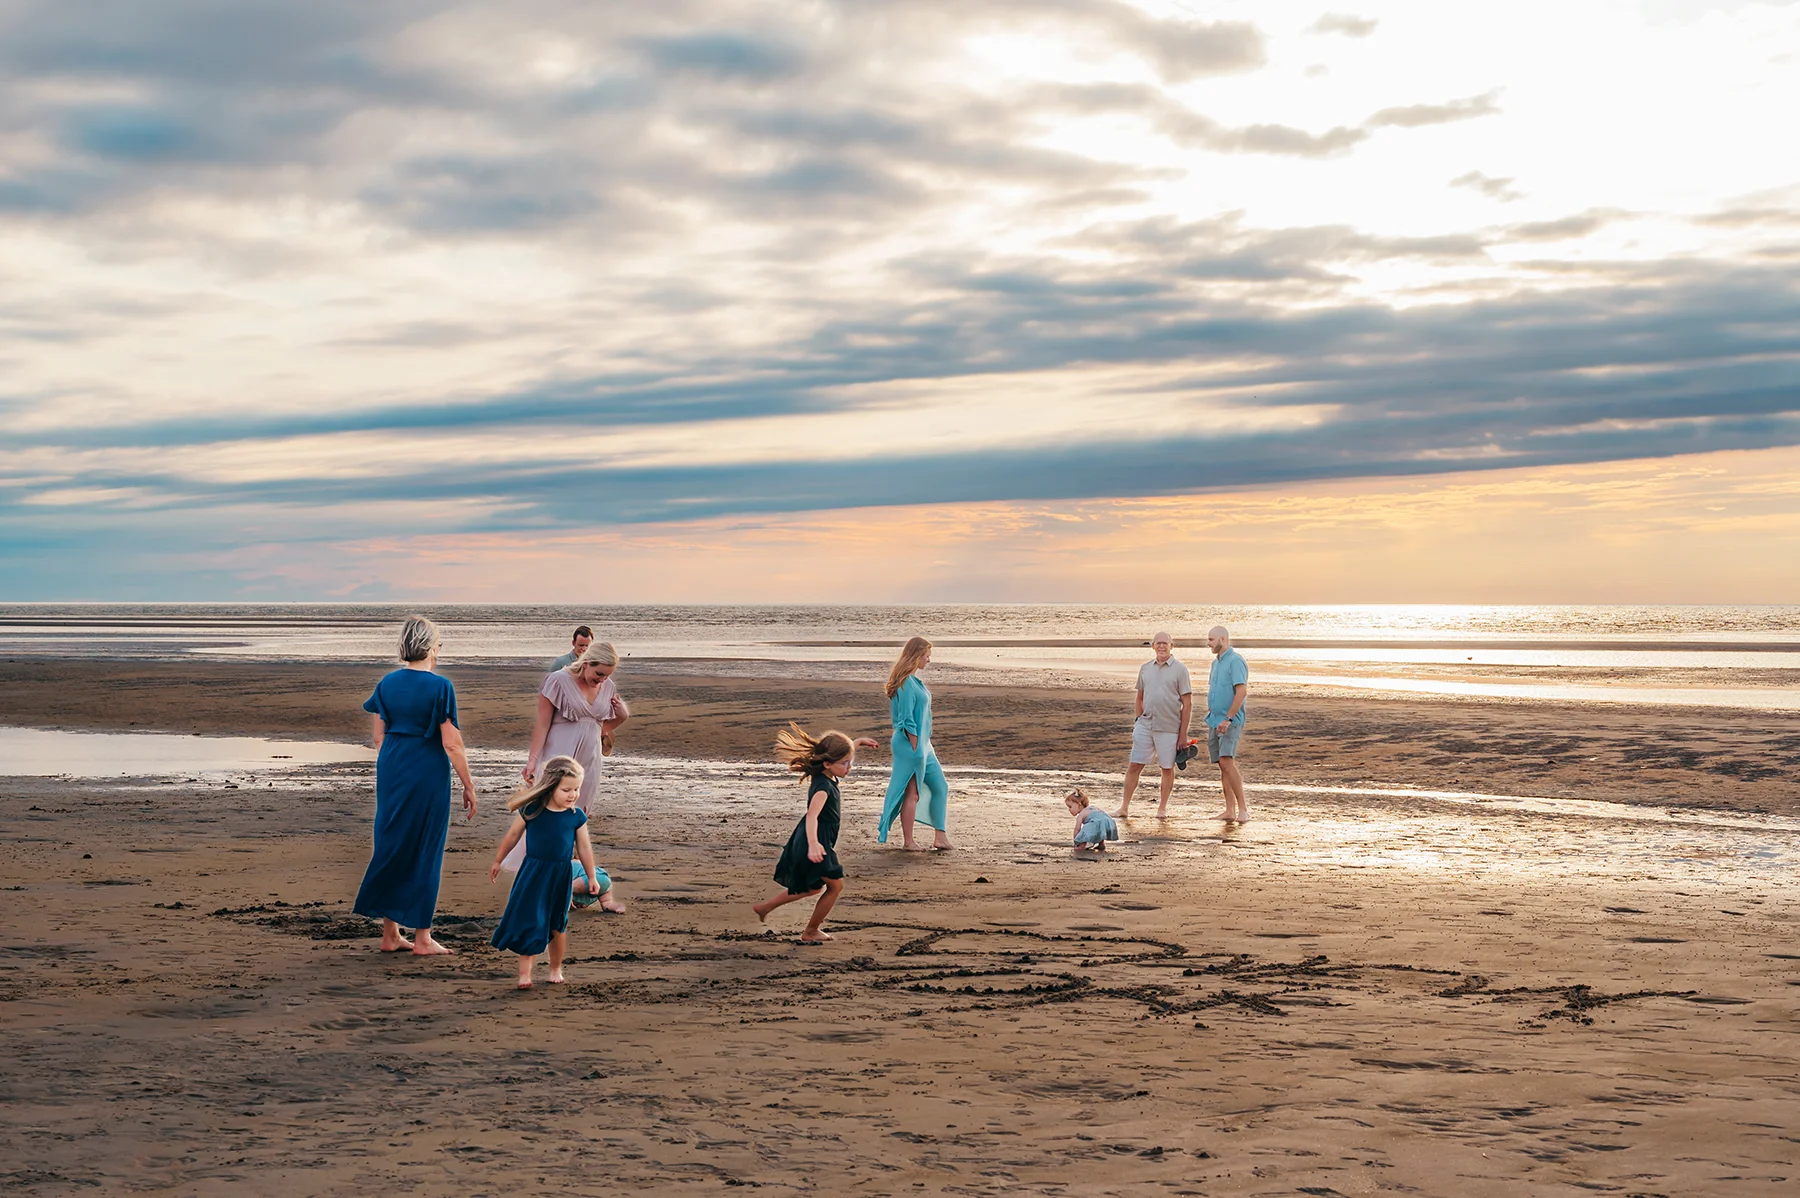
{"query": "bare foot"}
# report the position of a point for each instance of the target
(817, 938)
(941, 844)
(1224, 815)
(425, 946)
(613, 905)
(396, 944)
(556, 976)
(1122, 813)
(1162, 813)
(762, 916)
(524, 984)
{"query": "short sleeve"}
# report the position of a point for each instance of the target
(1240, 672)
(1186, 686)
(449, 706)
(819, 784)
(374, 705)
(557, 688)
(580, 819)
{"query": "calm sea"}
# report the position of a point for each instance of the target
(1709, 656)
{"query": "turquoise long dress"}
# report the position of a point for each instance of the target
(911, 711)
(412, 798)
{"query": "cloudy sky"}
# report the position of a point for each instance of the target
(900, 300)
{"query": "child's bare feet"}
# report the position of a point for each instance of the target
(762, 912)
(816, 937)
(609, 903)
(425, 946)
(556, 976)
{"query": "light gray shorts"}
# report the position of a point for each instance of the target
(1223, 746)
(1148, 746)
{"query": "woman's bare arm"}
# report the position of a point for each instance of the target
(539, 731)
(459, 757)
(379, 731)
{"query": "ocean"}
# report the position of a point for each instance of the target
(1747, 657)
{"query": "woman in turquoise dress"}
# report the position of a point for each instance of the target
(916, 765)
(417, 741)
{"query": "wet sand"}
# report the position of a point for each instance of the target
(1351, 995)
(1717, 758)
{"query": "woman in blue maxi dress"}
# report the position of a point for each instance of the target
(418, 741)
(916, 788)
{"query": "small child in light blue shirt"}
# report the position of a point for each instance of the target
(1093, 827)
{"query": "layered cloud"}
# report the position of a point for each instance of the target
(288, 274)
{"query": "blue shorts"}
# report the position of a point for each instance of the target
(1223, 746)
(578, 891)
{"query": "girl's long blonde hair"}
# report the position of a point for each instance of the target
(911, 656)
(807, 754)
(530, 801)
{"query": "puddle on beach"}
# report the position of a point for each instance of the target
(41, 752)
(1006, 815)
(1016, 815)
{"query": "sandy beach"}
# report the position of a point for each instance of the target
(1354, 994)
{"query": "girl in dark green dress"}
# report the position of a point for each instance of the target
(809, 864)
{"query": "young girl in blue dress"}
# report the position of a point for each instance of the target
(809, 863)
(537, 910)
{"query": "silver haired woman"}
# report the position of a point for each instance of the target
(418, 742)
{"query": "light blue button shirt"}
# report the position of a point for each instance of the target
(1229, 670)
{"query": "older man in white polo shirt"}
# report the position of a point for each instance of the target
(1165, 702)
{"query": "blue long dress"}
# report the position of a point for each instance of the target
(538, 906)
(412, 798)
(911, 710)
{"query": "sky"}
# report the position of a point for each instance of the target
(899, 300)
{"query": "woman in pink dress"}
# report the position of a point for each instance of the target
(578, 709)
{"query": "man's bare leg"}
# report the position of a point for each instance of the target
(1168, 788)
(1133, 772)
(1232, 783)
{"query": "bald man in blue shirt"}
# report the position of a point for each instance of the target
(1227, 682)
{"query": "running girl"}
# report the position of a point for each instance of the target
(809, 864)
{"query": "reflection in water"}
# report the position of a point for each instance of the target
(39, 752)
(1017, 815)
(1007, 815)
